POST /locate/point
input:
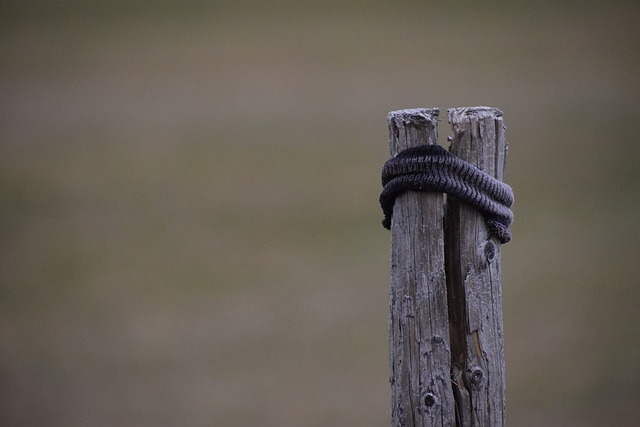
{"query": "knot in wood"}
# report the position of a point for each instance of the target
(490, 251)
(475, 377)
(430, 400)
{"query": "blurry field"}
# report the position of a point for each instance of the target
(189, 227)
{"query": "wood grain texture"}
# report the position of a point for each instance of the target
(419, 354)
(473, 277)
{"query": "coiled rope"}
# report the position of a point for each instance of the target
(431, 168)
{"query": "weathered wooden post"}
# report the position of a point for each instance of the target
(473, 277)
(419, 357)
(446, 350)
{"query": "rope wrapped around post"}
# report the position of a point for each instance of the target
(432, 168)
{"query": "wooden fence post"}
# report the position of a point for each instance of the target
(446, 348)
(473, 277)
(419, 358)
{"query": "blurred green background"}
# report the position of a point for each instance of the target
(189, 226)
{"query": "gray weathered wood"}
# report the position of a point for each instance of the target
(419, 356)
(473, 277)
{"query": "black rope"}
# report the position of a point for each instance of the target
(431, 168)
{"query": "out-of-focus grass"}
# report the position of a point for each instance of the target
(189, 228)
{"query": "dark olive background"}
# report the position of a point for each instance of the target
(189, 227)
